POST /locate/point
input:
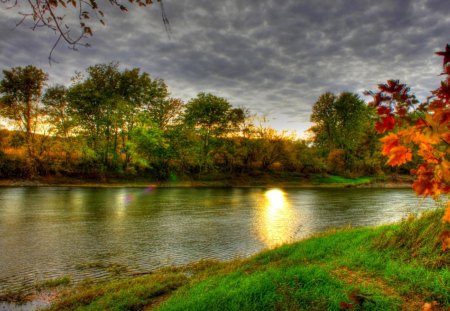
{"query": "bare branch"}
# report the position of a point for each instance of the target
(43, 14)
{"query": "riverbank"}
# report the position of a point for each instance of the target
(393, 267)
(403, 181)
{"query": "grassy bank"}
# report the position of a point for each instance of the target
(395, 267)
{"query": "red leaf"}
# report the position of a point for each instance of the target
(386, 123)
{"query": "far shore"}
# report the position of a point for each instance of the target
(238, 183)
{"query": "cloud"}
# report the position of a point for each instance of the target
(273, 57)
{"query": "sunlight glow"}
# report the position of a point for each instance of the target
(276, 199)
(275, 219)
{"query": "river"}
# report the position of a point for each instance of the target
(97, 233)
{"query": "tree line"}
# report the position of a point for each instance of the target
(123, 123)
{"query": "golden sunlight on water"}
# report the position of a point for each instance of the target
(122, 200)
(277, 219)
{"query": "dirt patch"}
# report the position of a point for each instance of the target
(47, 296)
(410, 302)
(157, 301)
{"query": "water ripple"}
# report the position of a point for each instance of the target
(95, 233)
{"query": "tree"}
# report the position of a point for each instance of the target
(106, 105)
(61, 124)
(161, 109)
(21, 89)
(341, 123)
(165, 112)
(211, 116)
(420, 130)
(62, 16)
(56, 110)
(270, 144)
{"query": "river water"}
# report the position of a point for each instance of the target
(97, 233)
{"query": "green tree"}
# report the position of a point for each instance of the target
(62, 126)
(211, 116)
(21, 89)
(106, 105)
(341, 124)
(56, 110)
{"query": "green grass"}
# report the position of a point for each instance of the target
(342, 180)
(395, 267)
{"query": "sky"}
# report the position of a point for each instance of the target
(273, 57)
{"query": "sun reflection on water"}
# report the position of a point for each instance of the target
(276, 219)
(275, 199)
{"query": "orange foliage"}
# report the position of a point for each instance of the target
(422, 129)
(446, 217)
(445, 238)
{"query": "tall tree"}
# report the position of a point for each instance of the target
(160, 108)
(62, 125)
(56, 109)
(106, 104)
(211, 116)
(341, 123)
(21, 89)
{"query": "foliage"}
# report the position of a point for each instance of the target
(211, 117)
(106, 105)
(342, 127)
(420, 130)
(22, 88)
(122, 123)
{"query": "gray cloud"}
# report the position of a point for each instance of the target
(273, 57)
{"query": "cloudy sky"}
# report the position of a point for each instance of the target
(273, 57)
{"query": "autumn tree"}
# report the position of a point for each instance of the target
(21, 89)
(418, 129)
(269, 143)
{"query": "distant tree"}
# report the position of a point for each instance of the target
(161, 109)
(341, 123)
(56, 109)
(150, 149)
(166, 112)
(21, 89)
(62, 127)
(270, 144)
(211, 116)
(106, 105)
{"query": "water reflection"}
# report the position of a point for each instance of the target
(276, 221)
(275, 199)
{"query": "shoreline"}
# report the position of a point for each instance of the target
(288, 184)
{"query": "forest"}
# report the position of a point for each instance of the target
(113, 123)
